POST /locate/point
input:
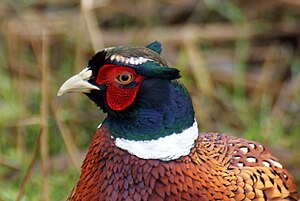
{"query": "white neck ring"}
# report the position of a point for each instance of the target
(165, 148)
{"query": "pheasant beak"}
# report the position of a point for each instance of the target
(78, 83)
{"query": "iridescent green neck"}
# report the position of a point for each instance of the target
(161, 108)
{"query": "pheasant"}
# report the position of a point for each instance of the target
(149, 147)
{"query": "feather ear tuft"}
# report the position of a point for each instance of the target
(155, 46)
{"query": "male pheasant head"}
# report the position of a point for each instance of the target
(140, 92)
(114, 75)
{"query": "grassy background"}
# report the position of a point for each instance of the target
(239, 59)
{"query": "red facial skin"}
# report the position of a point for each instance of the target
(119, 97)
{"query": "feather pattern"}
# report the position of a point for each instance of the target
(209, 172)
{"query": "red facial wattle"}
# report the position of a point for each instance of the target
(120, 94)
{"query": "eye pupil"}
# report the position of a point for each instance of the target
(124, 77)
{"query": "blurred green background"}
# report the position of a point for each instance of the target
(239, 59)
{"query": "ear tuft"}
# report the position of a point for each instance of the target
(155, 46)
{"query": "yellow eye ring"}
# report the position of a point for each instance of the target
(124, 78)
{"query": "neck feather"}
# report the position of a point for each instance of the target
(161, 108)
(166, 148)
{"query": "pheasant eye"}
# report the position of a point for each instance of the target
(125, 78)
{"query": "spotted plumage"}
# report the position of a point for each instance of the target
(149, 148)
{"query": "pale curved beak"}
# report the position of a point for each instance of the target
(78, 83)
